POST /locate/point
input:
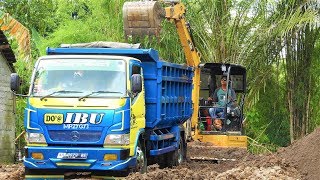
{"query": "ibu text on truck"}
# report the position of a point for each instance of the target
(105, 110)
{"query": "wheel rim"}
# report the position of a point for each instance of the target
(140, 159)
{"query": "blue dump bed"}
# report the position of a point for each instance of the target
(168, 86)
(168, 89)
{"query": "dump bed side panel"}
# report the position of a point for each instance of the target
(168, 89)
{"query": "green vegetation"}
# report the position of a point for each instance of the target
(277, 40)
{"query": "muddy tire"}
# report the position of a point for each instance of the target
(141, 164)
(178, 156)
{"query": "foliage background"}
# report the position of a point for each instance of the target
(247, 32)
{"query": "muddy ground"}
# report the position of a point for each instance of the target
(298, 161)
(9, 172)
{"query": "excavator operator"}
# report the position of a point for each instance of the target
(218, 97)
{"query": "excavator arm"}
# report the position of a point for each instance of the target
(143, 18)
(176, 14)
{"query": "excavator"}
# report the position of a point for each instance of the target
(143, 18)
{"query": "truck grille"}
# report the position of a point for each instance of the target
(75, 136)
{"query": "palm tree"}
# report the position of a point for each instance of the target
(263, 36)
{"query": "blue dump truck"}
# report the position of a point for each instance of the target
(104, 110)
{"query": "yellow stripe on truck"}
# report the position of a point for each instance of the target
(74, 103)
(72, 164)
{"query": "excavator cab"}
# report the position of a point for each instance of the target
(221, 124)
(220, 115)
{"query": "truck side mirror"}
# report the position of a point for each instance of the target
(15, 82)
(136, 83)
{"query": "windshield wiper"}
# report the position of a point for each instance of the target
(96, 92)
(61, 91)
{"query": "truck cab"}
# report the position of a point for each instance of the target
(78, 105)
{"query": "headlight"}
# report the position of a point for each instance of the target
(117, 139)
(35, 138)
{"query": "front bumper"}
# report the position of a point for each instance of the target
(93, 162)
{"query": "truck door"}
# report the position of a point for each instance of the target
(137, 121)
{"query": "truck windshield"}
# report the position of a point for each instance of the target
(79, 77)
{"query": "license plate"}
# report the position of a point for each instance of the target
(53, 118)
(72, 155)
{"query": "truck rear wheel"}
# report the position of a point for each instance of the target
(141, 164)
(178, 156)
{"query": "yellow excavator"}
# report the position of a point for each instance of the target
(143, 18)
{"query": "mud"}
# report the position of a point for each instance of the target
(234, 163)
(12, 172)
(298, 161)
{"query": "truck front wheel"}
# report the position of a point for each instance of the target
(141, 164)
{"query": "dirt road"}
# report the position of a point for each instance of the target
(298, 161)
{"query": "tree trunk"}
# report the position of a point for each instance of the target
(299, 48)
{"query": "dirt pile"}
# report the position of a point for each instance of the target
(247, 172)
(237, 164)
(12, 172)
(304, 155)
(268, 166)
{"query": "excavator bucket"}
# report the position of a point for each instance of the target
(142, 18)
